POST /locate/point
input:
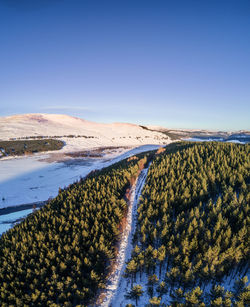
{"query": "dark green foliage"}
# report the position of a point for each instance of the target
(135, 293)
(193, 218)
(60, 255)
(196, 204)
(35, 137)
(21, 147)
(155, 301)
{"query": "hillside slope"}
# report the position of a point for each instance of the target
(76, 132)
(191, 240)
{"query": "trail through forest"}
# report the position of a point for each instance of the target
(126, 246)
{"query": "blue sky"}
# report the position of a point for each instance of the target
(180, 64)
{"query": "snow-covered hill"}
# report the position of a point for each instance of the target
(78, 133)
(241, 136)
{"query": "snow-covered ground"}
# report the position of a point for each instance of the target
(115, 283)
(84, 134)
(120, 299)
(236, 141)
(210, 139)
(118, 286)
(32, 179)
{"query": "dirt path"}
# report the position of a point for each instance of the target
(125, 247)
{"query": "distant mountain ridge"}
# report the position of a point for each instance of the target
(80, 134)
(175, 134)
(77, 133)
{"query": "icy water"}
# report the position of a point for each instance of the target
(9, 220)
(29, 180)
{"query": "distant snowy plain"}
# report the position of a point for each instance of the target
(213, 139)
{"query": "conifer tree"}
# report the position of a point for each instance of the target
(135, 293)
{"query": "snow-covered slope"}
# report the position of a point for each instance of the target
(86, 134)
(199, 132)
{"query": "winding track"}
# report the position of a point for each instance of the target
(125, 247)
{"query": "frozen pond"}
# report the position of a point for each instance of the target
(28, 180)
(8, 220)
(31, 179)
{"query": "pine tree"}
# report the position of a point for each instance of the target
(135, 293)
(177, 297)
(194, 298)
(162, 289)
(131, 270)
(155, 301)
(152, 281)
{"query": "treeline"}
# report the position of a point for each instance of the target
(21, 147)
(193, 219)
(54, 136)
(60, 255)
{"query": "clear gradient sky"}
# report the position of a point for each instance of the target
(180, 64)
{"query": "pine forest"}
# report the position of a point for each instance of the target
(190, 240)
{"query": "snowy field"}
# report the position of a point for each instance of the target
(32, 179)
